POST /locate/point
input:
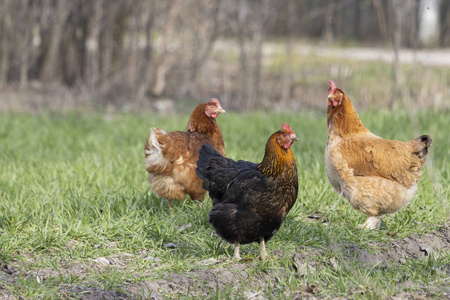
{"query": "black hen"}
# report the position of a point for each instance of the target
(250, 201)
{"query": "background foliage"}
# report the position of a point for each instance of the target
(129, 54)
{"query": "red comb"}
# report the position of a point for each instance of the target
(215, 101)
(286, 126)
(332, 84)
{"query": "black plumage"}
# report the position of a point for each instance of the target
(250, 201)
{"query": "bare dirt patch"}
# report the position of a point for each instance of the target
(211, 276)
(397, 251)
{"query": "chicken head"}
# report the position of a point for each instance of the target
(286, 137)
(214, 109)
(335, 95)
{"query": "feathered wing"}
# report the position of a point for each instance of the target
(171, 162)
(242, 208)
(390, 159)
(164, 150)
(219, 174)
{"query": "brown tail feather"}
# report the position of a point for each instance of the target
(422, 143)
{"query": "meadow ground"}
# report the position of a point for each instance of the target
(78, 220)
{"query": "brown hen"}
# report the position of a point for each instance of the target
(170, 157)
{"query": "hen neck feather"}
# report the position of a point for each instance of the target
(200, 122)
(344, 120)
(276, 159)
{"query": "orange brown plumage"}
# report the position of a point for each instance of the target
(376, 175)
(170, 157)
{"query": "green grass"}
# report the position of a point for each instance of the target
(73, 188)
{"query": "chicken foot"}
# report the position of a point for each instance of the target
(370, 223)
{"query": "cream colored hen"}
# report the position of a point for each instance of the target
(376, 175)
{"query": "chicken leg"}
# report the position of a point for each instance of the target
(236, 251)
(262, 246)
(370, 223)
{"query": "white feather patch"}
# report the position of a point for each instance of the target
(154, 155)
(179, 161)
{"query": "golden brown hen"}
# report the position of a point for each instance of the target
(377, 176)
(170, 157)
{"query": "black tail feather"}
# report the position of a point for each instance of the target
(206, 153)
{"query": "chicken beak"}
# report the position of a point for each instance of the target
(332, 100)
(294, 138)
(221, 110)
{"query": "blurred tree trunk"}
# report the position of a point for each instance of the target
(248, 24)
(5, 30)
(167, 58)
(327, 33)
(398, 13)
(133, 48)
(357, 25)
(259, 36)
(93, 40)
(414, 25)
(444, 23)
(206, 32)
(51, 58)
(241, 32)
(145, 69)
(21, 37)
(381, 19)
(25, 44)
(287, 70)
(119, 19)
